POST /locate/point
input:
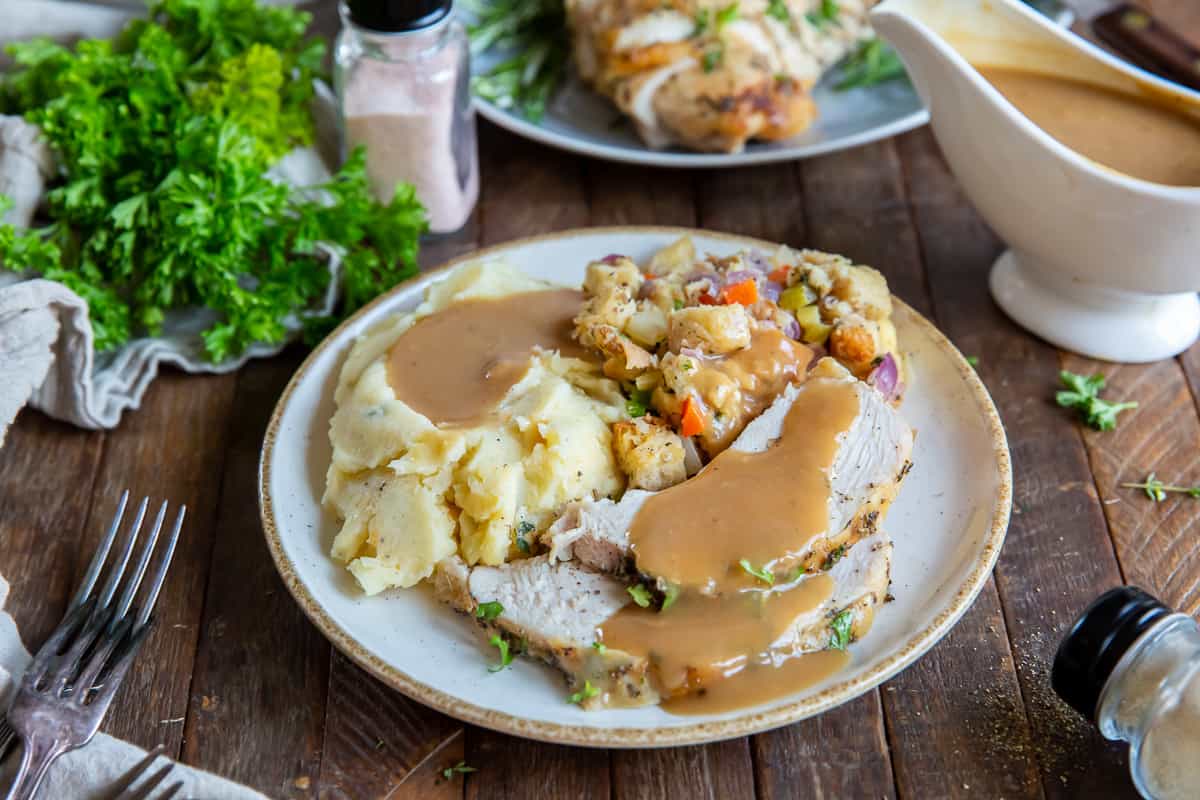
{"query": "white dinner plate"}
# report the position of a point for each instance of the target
(582, 121)
(948, 524)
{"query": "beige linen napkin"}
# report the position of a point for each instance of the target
(43, 323)
(91, 772)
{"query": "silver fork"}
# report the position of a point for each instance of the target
(7, 734)
(71, 682)
(124, 789)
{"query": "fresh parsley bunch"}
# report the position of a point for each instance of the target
(163, 138)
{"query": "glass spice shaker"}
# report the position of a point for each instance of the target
(1132, 665)
(402, 73)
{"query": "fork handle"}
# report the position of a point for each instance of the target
(38, 753)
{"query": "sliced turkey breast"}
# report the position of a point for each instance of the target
(553, 610)
(872, 458)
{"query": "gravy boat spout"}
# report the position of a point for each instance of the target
(1100, 262)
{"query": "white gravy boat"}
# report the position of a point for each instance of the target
(1100, 263)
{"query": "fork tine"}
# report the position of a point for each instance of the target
(93, 570)
(150, 785)
(152, 597)
(114, 578)
(172, 790)
(99, 658)
(135, 580)
(138, 769)
(7, 735)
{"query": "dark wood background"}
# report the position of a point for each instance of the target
(235, 679)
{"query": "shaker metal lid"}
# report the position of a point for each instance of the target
(1095, 643)
(397, 16)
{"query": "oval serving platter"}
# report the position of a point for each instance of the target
(948, 525)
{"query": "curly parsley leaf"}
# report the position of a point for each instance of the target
(1083, 395)
(839, 635)
(640, 595)
(489, 611)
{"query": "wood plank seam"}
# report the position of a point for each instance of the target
(212, 545)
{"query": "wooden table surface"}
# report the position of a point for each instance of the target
(235, 680)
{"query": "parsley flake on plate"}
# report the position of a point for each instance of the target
(489, 611)
(840, 631)
(588, 691)
(506, 655)
(762, 573)
(640, 595)
(460, 768)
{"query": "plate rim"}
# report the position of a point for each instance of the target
(698, 733)
(646, 156)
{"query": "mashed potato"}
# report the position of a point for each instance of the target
(411, 493)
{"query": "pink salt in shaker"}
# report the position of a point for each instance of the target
(402, 71)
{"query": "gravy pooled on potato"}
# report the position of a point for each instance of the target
(461, 429)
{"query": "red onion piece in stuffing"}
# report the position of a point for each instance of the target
(886, 378)
(612, 258)
(771, 290)
(794, 330)
(691, 457)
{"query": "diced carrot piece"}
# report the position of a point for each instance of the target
(707, 299)
(691, 421)
(650, 276)
(745, 293)
(780, 275)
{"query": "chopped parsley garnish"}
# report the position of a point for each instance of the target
(460, 768)
(727, 15)
(797, 573)
(1157, 491)
(1083, 395)
(669, 597)
(779, 10)
(506, 656)
(600, 647)
(524, 528)
(825, 13)
(763, 574)
(873, 62)
(840, 627)
(712, 57)
(638, 403)
(640, 595)
(973, 361)
(701, 22)
(588, 691)
(835, 555)
(489, 611)
(678, 305)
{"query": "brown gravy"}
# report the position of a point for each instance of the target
(701, 640)
(760, 683)
(710, 652)
(756, 374)
(1133, 135)
(761, 507)
(455, 365)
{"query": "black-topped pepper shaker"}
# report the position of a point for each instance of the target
(1132, 665)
